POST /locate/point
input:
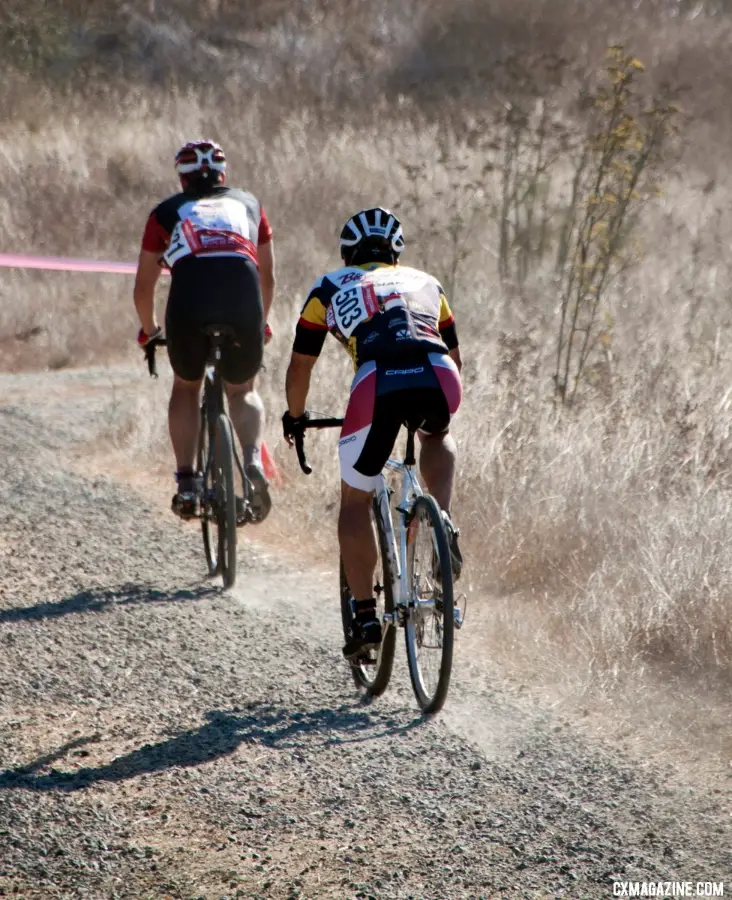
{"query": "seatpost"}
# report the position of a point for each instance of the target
(409, 459)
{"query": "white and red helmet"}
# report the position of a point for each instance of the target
(196, 156)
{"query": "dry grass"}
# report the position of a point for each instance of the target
(602, 532)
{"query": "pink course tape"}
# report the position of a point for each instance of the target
(66, 264)
(71, 264)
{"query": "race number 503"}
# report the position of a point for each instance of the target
(354, 305)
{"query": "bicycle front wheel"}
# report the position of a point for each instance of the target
(225, 499)
(373, 672)
(430, 626)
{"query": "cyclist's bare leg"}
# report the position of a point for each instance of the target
(247, 415)
(184, 423)
(437, 461)
(357, 541)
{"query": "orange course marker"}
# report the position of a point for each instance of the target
(270, 466)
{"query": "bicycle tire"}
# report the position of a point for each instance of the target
(205, 467)
(374, 679)
(225, 499)
(426, 513)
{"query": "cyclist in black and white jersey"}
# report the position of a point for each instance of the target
(397, 326)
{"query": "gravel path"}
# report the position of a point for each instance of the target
(163, 739)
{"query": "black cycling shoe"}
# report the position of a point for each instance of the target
(260, 501)
(456, 557)
(187, 502)
(365, 632)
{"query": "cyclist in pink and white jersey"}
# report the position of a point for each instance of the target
(217, 242)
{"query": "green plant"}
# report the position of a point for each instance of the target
(616, 171)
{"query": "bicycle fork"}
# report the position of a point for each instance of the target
(397, 549)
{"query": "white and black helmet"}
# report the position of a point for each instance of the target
(377, 229)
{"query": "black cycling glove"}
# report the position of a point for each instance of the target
(292, 426)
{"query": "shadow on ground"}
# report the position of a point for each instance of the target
(98, 599)
(220, 736)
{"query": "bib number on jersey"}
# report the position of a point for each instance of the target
(211, 227)
(179, 246)
(354, 305)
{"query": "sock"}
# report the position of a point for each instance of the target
(252, 456)
(365, 610)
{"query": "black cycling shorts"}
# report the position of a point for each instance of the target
(220, 290)
(425, 392)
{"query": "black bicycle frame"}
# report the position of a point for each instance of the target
(213, 385)
(213, 392)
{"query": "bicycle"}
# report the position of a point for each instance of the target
(216, 458)
(414, 583)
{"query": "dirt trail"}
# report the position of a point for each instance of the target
(163, 739)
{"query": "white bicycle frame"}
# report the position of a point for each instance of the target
(396, 542)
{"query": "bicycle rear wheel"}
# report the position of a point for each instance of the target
(430, 626)
(223, 471)
(373, 672)
(208, 504)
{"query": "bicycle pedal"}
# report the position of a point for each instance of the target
(244, 513)
(363, 660)
(459, 610)
(363, 655)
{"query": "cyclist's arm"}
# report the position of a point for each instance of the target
(266, 257)
(448, 331)
(297, 382)
(266, 262)
(310, 334)
(454, 355)
(155, 240)
(148, 272)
